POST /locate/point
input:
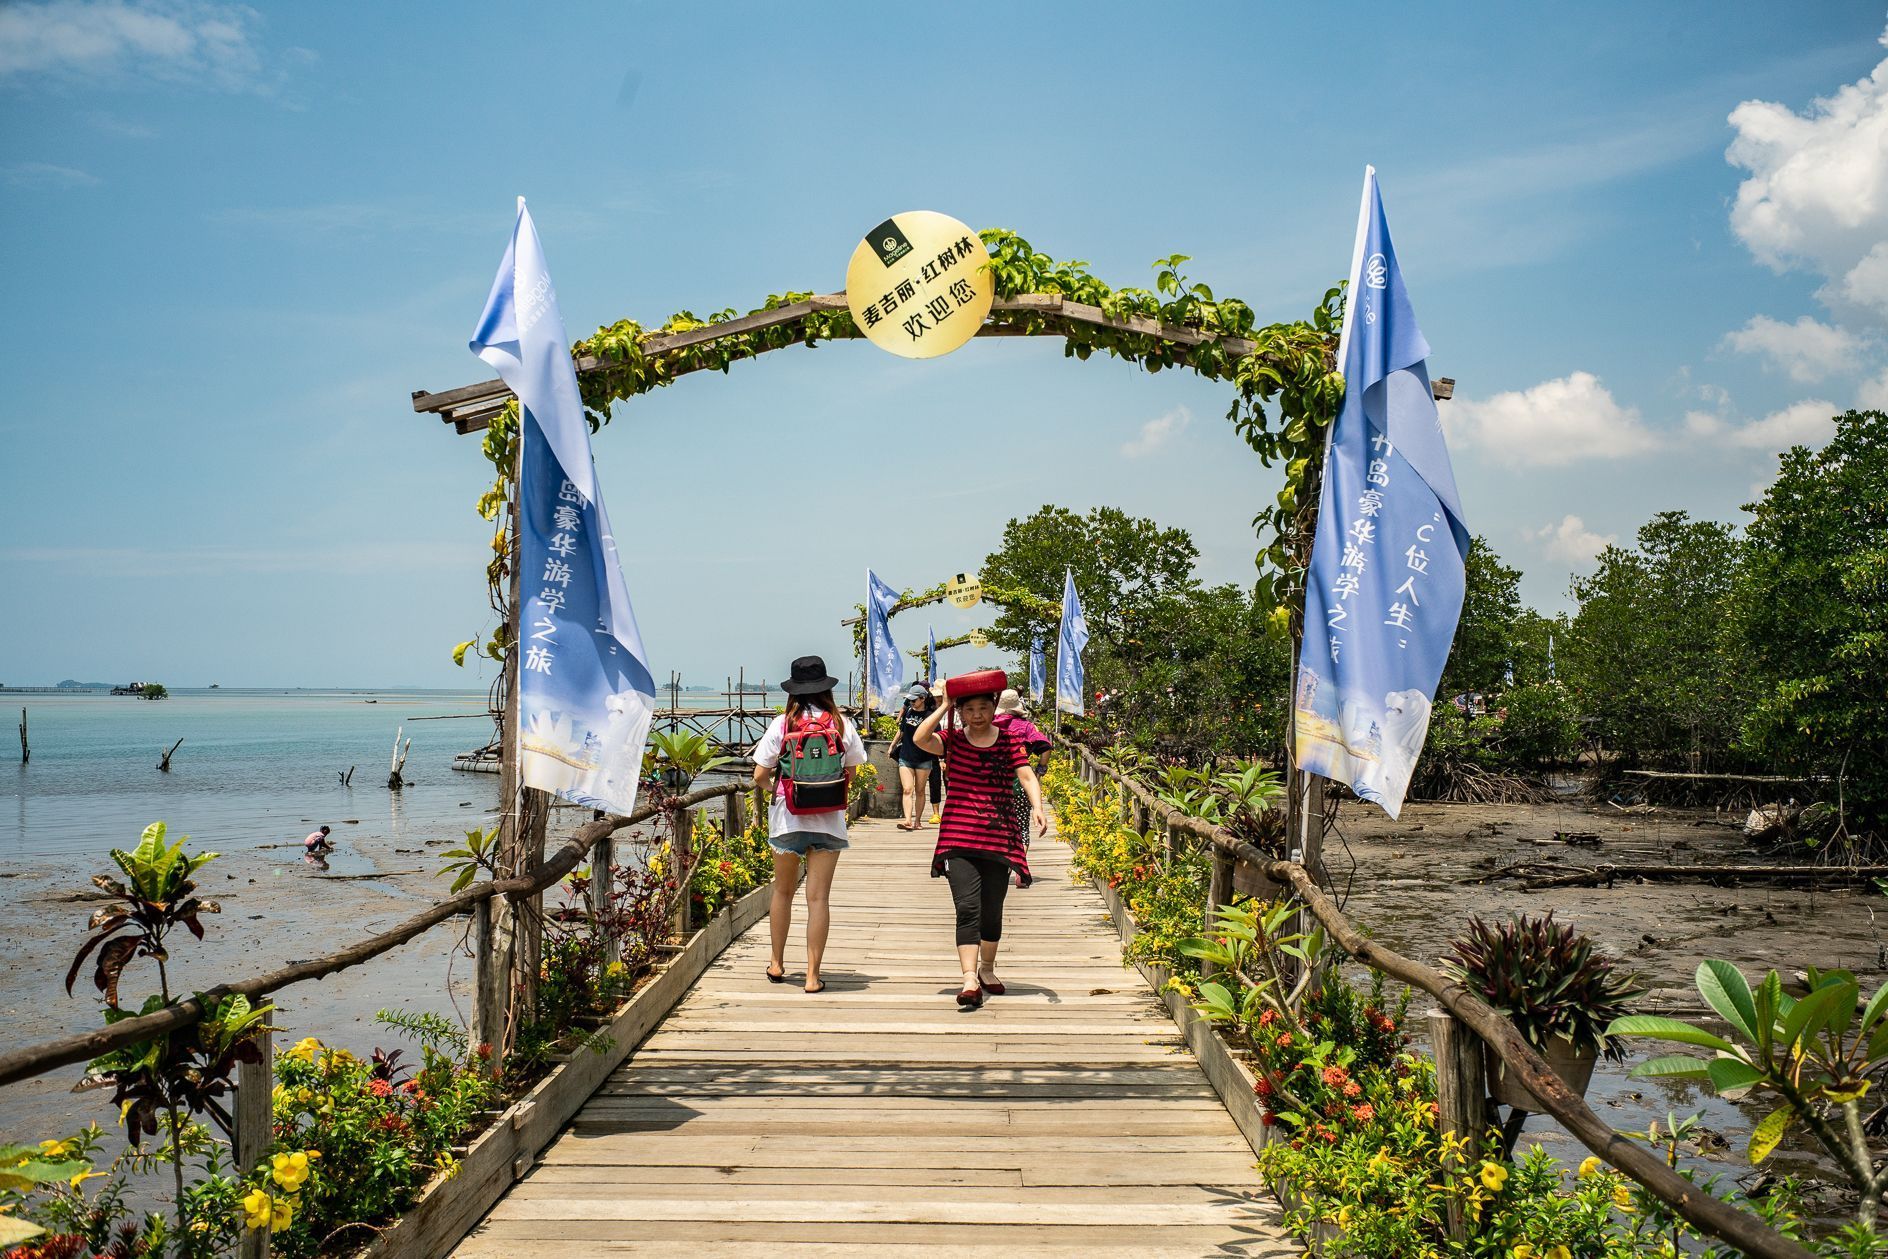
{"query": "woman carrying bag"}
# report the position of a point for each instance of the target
(805, 760)
(979, 844)
(915, 765)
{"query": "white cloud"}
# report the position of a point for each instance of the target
(191, 41)
(1800, 423)
(1807, 349)
(1571, 541)
(1873, 395)
(1555, 422)
(46, 175)
(1157, 432)
(1817, 193)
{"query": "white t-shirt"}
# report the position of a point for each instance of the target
(767, 755)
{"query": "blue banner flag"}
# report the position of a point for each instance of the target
(1036, 674)
(884, 667)
(930, 673)
(1384, 589)
(1069, 641)
(585, 692)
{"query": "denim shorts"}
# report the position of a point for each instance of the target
(796, 843)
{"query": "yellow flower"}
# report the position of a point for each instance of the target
(1622, 1197)
(283, 1213)
(82, 1177)
(1589, 1165)
(1343, 1218)
(291, 1170)
(54, 1149)
(1494, 1176)
(306, 1048)
(1522, 1251)
(1559, 1252)
(257, 1208)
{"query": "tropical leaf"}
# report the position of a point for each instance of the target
(1725, 989)
(1768, 1132)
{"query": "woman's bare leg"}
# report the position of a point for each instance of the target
(820, 866)
(967, 958)
(986, 962)
(780, 915)
(922, 776)
(913, 798)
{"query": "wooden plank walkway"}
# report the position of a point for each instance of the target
(876, 1118)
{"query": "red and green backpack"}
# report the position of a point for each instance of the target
(813, 775)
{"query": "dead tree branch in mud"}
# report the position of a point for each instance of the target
(165, 763)
(1536, 875)
(347, 779)
(396, 776)
(26, 753)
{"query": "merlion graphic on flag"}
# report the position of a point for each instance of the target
(1384, 589)
(585, 692)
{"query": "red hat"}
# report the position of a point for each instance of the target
(989, 682)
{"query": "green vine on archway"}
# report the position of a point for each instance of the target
(1287, 386)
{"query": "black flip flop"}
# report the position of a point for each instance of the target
(772, 978)
(813, 992)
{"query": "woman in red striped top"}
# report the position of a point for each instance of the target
(978, 840)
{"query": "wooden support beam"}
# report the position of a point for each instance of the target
(253, 1131)
(491, 986)
(682, 859)
(1461, 1103)
(1218, 893)
(602, 860)
(469, 408)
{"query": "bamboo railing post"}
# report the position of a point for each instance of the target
(1461, 1103)
(735, 824)
(491, 979)
(602, 882)
(1139, 817)
(253, 1131)
(681, 857)
(1173, 839)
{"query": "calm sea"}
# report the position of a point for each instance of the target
(254, 767)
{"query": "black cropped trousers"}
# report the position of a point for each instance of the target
(978, 885)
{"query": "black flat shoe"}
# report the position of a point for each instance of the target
(816, 991)
(772, 978)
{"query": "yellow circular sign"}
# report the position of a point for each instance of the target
(918, 286)
(964, 590)
(979, 639)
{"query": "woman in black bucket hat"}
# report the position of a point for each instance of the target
(804, 763)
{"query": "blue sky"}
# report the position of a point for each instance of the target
(1646, 240)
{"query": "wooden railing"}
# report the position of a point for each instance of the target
(494, 997)
(1467, 1024)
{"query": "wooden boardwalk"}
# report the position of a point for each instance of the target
(876, 1118)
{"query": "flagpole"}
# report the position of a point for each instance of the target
(1306, 798)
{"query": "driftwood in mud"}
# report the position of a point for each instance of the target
(1538, 875)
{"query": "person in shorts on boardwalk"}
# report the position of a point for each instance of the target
(805, 762)
(915, 765)
(979, 844)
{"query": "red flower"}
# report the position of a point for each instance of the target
(1353, 1089)
(1363, 1112)
(1284, 1040)
(1336, 1077)
(1268, 1119)
(1268, 1018)
(1263, 1087)
(380, 1088)
(484, 1050)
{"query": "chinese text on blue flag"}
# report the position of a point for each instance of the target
(1384, 589)
(1036, 676)
(585, 692)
